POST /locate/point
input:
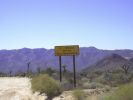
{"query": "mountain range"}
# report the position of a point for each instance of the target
(18, 60)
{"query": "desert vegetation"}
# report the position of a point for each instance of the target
(123, 92)
(115, 84)
(79, 94)
(43, 83)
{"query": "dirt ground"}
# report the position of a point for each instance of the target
(14, 88)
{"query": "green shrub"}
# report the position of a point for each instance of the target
(3, 74)
(98, 72)
(79, 94)
(124, 92)
(49, 71)
(107, 88)
(45, 84)
(95, 85)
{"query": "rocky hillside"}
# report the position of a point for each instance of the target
(17, 60)
(111, 62)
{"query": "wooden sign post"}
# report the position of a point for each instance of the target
(70, 50)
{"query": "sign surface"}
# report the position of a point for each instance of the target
(69, 50)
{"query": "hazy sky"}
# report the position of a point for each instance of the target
(105, 24)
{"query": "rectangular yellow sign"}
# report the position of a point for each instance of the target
(69, 50)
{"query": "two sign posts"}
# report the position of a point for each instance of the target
(71, 50)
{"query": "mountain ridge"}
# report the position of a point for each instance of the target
(16, 60)
(110, 63)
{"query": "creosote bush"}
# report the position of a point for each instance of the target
(45, 84)
(124, 92)
(79, 94)
(95, 85)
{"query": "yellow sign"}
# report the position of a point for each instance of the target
(67, 50)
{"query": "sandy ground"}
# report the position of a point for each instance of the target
(17, 89)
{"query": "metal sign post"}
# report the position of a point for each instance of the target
(74, 71)
(70, 50)
(60, 68)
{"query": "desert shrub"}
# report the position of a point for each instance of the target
(83, 74)
(107, 88)
(48, 71)
(115, 79)
(115, 71)
(95, 85)
(2, 74)
(91, 76)
(122, 78)
(21, 74)
(98, 72)
(45, 84)
(84, 79)
(92, 85)
(131, 75)
(124, 92)
(79, 94)
(66, 85)
(85, 85)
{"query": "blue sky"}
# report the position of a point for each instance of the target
(105, 24)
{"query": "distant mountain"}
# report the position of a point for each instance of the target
(16, 60)
(131, 62)
(110, 62)
(131, 59)
(113, 61)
